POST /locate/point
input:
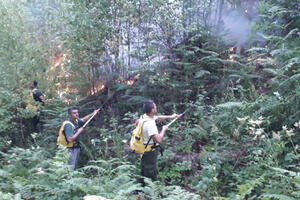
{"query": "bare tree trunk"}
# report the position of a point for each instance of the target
(184, 21)
(217, 10)
(116, 45)
(220, 14)
(93, 78)
(190, 15)
(128, 42)
(207, 15)
(89, 79)
(22, 131)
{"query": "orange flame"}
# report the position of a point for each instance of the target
(97, 89)
(100, 87)
(129, 82)
(231, 58)
(56, 62)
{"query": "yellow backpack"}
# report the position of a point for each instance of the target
(137, 142)
(30, 103)
(62, 139)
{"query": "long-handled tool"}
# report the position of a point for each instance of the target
(101, 108)
(177, 118)
(88, 121)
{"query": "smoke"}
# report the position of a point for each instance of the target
(237, 28)
(236, 21)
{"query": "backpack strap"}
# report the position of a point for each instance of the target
(155, 146)
(73, 128)
(149, 139)
(142, 133)
(148, 142)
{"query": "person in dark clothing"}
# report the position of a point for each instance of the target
(37, 94)
(38, 97)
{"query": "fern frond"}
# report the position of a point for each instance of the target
(201, 73)
(277, 196)
(293, 31)
(247, 188)
(271, 71)
(287, 83)
(257, 49)
(231, 105)
(286, 172)
(212, 53)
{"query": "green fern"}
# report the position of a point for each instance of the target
(231, 105)
(276, 196)
(246, 189)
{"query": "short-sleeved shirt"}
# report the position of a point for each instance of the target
(69, 131)
(149, 128)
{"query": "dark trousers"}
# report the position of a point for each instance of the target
(149, 165)
(35, 122)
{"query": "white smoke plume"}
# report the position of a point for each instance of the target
(238, 27)
(235, 23)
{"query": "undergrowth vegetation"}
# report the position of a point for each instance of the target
(35, 174)
(239, 139)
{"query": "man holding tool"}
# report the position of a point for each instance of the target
(151, 137)
(70, 133)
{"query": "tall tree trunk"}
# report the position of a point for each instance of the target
(89, 79)
(93, 78)
(206, 14)
(128, 42)
(217, 11)
(116, 44)
(220, 14)
(183, 21)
